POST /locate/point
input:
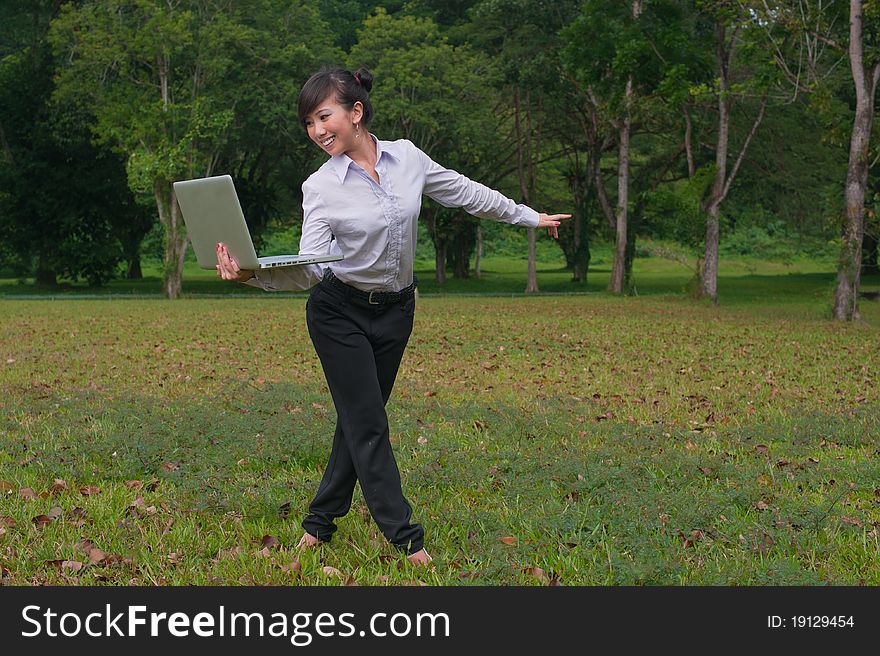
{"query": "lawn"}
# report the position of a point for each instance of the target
(573, 439)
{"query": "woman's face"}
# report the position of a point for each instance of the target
(331, 126)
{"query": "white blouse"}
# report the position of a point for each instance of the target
(375, 224)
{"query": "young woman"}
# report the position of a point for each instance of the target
(367, 196)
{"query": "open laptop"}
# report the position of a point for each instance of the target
(213, 214)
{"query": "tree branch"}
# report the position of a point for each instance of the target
(742, 152)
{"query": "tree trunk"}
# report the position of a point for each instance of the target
(846, 297)
(526, 176)
(133, 271)
(581, 247)
(45, 275)
(440, 263)
(479, 256)
(709, 282)
(618, 266)
(532, 282)
(175, 239)
(689, 143)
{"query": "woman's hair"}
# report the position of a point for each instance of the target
(349, 88)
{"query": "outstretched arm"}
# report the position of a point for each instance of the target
(452, 189)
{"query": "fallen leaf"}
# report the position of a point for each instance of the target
(60, 485)
(537, 573)
(422, 440)
(7, 521)
(41, 521)
(6, 486)
(231, 552)
(761, 505)
(270, 542)
(55, 513)
(284, 510)
(72, 565)
(295, 567)
(852, 521)
(89, 490)
(96, 556)
(707, 470)
(760, 448)
(27, 493)
(133, 485)
(332, 571)
(509, 540)
(763, 479)
(170, 466)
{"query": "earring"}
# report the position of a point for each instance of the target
(357, 127)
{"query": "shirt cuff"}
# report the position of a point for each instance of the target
(528, 217)
(265, 285)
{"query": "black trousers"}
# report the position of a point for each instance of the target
(360, 346)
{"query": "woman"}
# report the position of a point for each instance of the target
(360, 310)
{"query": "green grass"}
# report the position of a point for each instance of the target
(646, 440)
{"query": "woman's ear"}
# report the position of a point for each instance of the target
(357, 111)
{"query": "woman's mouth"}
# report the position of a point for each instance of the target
(328, 141)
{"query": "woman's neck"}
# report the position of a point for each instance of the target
(364, 153)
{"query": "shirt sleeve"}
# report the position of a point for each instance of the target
(452, 189)
(317, 239)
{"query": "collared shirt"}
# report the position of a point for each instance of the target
(375, 223)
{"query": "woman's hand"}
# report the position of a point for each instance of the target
(551, 221)
(227, 267)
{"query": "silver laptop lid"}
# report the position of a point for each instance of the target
(213, 214)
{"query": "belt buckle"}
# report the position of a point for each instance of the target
(371, 301)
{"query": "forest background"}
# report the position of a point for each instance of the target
(682, 129)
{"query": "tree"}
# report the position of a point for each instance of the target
(64, 199)
(621, 56)
(426, 88)
(733, 25)
(864, 59)
(156, 75)
(523, 36)
(850, 28)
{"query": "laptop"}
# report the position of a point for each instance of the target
(213, 214)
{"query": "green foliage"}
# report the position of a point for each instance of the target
(62, 198)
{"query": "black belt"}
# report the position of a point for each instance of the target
(373, 298)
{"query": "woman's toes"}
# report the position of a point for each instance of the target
(421, 557)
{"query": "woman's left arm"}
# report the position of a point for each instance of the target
(452, 189)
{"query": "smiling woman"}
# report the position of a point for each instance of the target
(365, 201)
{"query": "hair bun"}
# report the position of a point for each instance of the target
(364, 78)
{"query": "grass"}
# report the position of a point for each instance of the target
(584, 440)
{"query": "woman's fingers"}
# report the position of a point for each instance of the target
(225, 264)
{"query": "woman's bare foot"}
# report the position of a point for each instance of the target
(420, 558)
(308, 541)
